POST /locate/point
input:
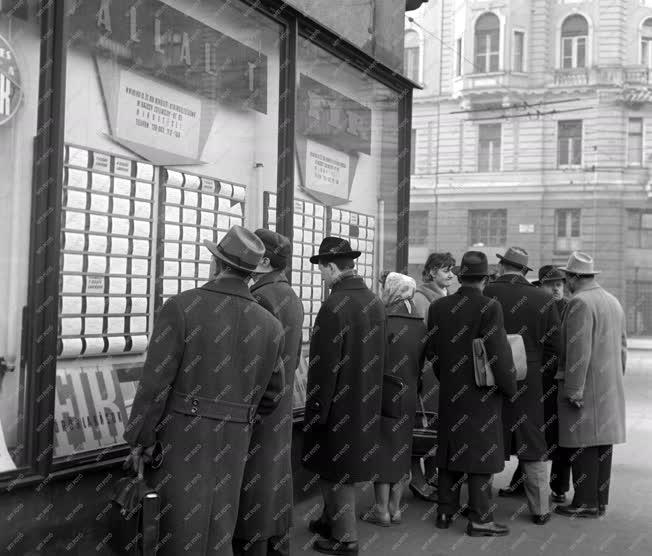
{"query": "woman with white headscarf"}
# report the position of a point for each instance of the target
(404, 360)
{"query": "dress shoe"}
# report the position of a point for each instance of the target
(331, 546)
(576, 511)
(558, 498)
(512, 490)
(602, 509)
(443, 521)
(320, 527)
(373, 517)
(541, 519)
(424, 492)
(396, 518)
(491, 529)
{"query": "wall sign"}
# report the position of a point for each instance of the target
(327, 170)
(11, 87)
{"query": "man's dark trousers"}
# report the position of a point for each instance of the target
(274, 546)
(592, 475)
(450, 484)
(560, 471)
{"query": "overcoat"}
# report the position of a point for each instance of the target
(266, 496)
(343, 392)
(403, 364)
(593, 360)
(213, 361)
(470, 433)
(532, 313)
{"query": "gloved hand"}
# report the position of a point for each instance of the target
(137, 459)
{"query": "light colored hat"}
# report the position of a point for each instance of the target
(579, 263)
(240, 249)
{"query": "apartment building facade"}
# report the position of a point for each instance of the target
(534, 128)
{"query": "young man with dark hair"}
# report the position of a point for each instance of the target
(345, 376)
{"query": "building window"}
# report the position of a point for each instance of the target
(488, 227)
(635, 142)
(574, 38)
(419, 227)
(567, 230)
(458, 58)
(639, 229)
(519, 51)
(411, 55)
(639, 307)
(489, 142)
(569, 143)
(413, 151)
(646, 43)
(487, 43)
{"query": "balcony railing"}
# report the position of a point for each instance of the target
(603, 75)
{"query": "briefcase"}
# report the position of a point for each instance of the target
(484, 376)
(133, 517)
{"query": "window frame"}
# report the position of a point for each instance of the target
(645, 43)
(574, 41)
(638, 230)
(416, 53)
(568, 241)
(488, 214)
(491, 158)
(487, 53)
(459, 57)
(628, 146)
(571, 151)
(523, 65)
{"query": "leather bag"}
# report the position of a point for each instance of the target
(484, 376)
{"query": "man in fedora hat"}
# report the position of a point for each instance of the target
(214, 361)
(469, 429)
(266, 498)
(344, 392)
(591, 394)
(532, 313)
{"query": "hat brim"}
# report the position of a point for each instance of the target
(570, 271)
(525, 267)
(330, 256)
(212, 247)
(557, 279)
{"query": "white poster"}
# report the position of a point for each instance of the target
(327, 170)
(151, 113)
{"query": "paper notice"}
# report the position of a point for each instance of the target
(76, 199)
(97, 244)
(307, 306)
(362, 233)
(296, 249)
(189, 251)
(298, 206)
(335, 228)
(271, 200)
(138, 343)
(296, 263)
(208, 185)
(120, 226)
(72, 347)
(142, 210)
(77, 178)
(138, 305)
(119, 246)
(309, 209)
(71, 305)
(239, 193)
(118, 304)
(173, 195)
(223, 221)
(122, 166)
(145, 171)
(170, 268)
(236, 209)
(210, 235)
(207, 202)
(175, 178)
(94, 305)
(307, 265)
(99, 203)
(192, 182)
(188, 285)
(117, 285)
(235, 221)
(306, 320)
(203, 271)
(172, 231)
(116, 344)
(344, 229)
(370, 234)
(305, 335)
(189, 216)
(335, 214)
(100, 182)
(73, 242)
(190, 233)
(172, 213)
(122, 186)
(354, 218)
(318, 238)
(316, 279)
(298, 220)
(143, 190)
(77, 157)
(207, 219)
(101, 162)
(139, 267)
(170, 287)
(96, 264)
(271, 217)
(115, 325)
(140, 247)
(71, 326)
(191, 198)
(319, 224)
(94, 346)
(71, 284)
(188, 270)
(226, 189)
(72, 263)
(319, 211)
(139, 286)
(118, 265)
(170, 250)
(346, 216)
(121, 206)
(143, 228)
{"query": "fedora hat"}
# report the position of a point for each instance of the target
(239, 249)
(277, 247)
(549, 273)
(334, 248)
(474, 263)
(580, 263)
(516, 256)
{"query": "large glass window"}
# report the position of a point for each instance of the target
(635, 141)
(19, 89)
(646, 43)
(574, 39)
(489, 147)
(519, 51)
(569, 143)
(568, 237)
(171, 124)
(487, 228)
(487, 43)
(639, 229)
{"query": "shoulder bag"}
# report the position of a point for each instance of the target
(484, 376)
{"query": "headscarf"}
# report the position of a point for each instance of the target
(399, 288)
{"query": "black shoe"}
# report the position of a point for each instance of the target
(443, 521)
(602, 509)
(331, 546)
(426, 493)
(576, 511)
(558, 498)
(465, 511)
(319, 527)
(491, 529)
(541, 519)
(512, 490)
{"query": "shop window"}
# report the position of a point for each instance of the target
(646, 43)
(412, 56)
(519, 52)
(487, 43)
(635, 142)
(639, 307)
(569, 143)
(458, 57)
(567, 226)
(574, 40)
(419, 227)
(639, 229)
(487, 228)
(489, 147)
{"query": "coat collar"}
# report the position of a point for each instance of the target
(229, 286)
(352, 282)
(513, 279)
(273, 277)
(590, 286)
(434, 288)
(467, 290)
(400, 310)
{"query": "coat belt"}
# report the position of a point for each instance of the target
(221, 410)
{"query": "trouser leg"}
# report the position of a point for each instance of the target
(247, 548)
(279, 545)
(536, 486)
(339, 510)
(604, 473)
(585, 465)
(480, 498)
(518, 477)
(560, 471)
(450, 483)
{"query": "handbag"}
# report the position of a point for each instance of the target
(424, 435)
(484, 376)
(133, 517)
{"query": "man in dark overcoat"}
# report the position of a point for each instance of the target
(265, 512)
(343, 401)
(532, 313)
(214, 360)
(470, 436)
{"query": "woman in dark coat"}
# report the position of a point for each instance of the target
(404, 358)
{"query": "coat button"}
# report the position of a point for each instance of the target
(194, 410)
(195, 402)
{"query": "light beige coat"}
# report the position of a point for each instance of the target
(591, 369)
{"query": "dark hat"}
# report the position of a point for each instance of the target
(239, 249)
(549, 273)
(474, 263)
(277, 247)
(334, 248)
(516, 256)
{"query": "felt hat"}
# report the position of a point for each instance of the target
(239, 249)
(580, 263)
(516, 256)
(277, 247)
(334, 248)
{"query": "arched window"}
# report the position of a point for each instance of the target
(411, 55)
(487, 43)
(646, 43)
(574, 38)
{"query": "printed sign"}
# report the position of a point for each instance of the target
(11, 87)
(327, 170)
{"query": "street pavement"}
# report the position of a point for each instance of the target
(626, 529)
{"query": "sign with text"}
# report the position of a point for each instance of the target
(11, 87)
(327, 170)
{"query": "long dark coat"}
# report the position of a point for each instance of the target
(470, 433)
(347, 351)
(266, 497)
(213, 360)
(403, 363)
(532, 313)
